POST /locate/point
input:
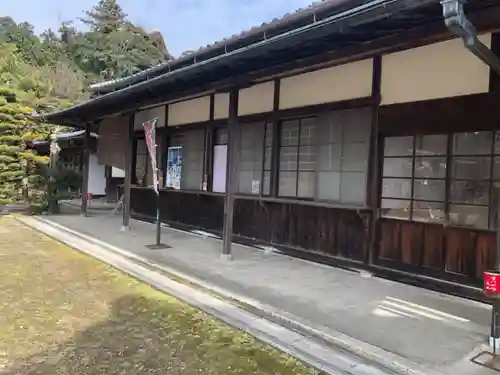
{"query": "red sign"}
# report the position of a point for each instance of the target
(491, 282)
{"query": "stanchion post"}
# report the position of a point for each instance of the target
(492, 285)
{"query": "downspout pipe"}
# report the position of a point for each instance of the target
(457, 22)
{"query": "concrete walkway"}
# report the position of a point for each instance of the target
(403, 328)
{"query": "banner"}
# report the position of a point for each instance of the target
(150, 136)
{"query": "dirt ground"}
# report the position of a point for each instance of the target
(62, 312)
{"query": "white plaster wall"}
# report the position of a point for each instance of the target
(343, 82)
(221, 106)
(256, 99)
(437, 70)
(189, 111)
(149, 114)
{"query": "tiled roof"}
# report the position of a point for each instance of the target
(314, 12)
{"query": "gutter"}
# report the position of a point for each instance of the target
(456, 20)
(368, 12)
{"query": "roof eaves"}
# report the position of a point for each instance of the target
(266, 27)
(370, 12)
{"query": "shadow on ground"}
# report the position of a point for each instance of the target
(142, 337)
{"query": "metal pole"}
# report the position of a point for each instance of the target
(495, 319)
(158, 222)
(231, 174)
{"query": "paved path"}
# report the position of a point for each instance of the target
(427, 328)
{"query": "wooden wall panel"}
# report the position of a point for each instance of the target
(450, 253)
(143, 202)
(194, 210)
(433, 247)
(485, 253)
(329, 231)
(112, 141)
(460, 246)
(411, 243)
(390, 239)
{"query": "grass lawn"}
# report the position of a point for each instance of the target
(62, 312)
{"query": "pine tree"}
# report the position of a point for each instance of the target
(107, 16)
(21, 86)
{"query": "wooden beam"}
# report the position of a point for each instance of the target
(86, 170)
(128, 174)
(233, 132)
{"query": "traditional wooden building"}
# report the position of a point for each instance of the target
(362, 134)
(102, 180)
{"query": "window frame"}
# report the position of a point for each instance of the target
(317, 170)
(450, 155)
(266, 128)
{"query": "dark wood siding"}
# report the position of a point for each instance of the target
(330, 231)
(325, 230)
(198, 210)
(456, 254)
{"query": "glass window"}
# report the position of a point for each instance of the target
(398, 146)
(431, 145)
(342, 155)
(396, 208)
(254, 160)
(141, 164)
(474, 143)
(421, 178)
(430, 167)
(397, 167)
(428, 211)
(298, 156)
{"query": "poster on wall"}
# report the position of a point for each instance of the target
(174, 167)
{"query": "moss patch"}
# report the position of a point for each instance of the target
(62, 312)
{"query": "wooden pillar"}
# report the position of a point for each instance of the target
(374, 160)
(233, 131)
(86, 170)
(128, 174)
(208, 164)
(134, 159)
(275, 149)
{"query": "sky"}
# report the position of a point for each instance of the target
(185, 24)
